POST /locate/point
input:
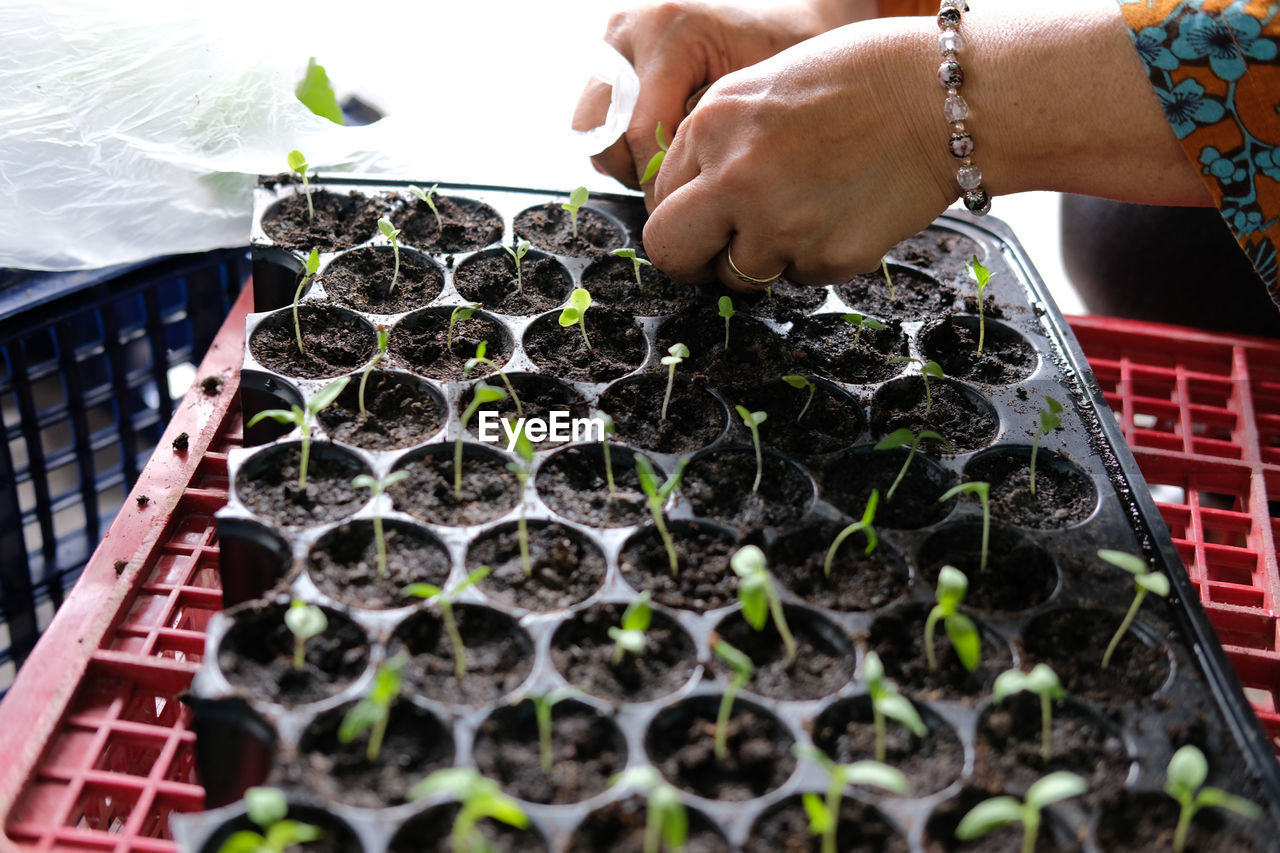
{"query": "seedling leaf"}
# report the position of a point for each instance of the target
(655, 162)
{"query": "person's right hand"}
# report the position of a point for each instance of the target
(679, 48)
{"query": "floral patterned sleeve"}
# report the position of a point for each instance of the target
(1215, 69)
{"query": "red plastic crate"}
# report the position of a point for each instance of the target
(98, 753)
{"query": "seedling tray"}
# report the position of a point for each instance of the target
(1170, 685)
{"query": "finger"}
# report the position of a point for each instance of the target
(687, 230)
(590, 112)
(748, 267)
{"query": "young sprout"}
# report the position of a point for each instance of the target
(898, 438)
(888, 703)
(523, 469)
(1144, 581)
(997, 812)
(378, 486)
(478, 798)
(576, 312)
(884, 266)
(655, 162)
(481, 358)
(983, 491)
(517, 254)
(1050, 417)
(824, 815)
(861, 321)
(426, 198)
(542, 706)
(374, 710)
(676, 353)
(753, 421)
(304, 621)
(927, 369)
(1043, 682)
(460, 312)
(800, 383)
(666, 821)
(298, 163)
(377, 357)
(577, 199)
(267, 808)
(446, 599)
(963, 634)
(656, 496)
(759, 595)
(743, 669)
(629, 636)
(313, 264)
(607, 429)
(1184, 781)
(636, 261)
(724, 307)
(302, 420)
(863, 524)
(392, 234)
(981, 276)
(483, 394)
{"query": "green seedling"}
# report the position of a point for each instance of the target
(576, 313)
(1050, 417)
(983, 491)
(981, 276)
(636, 261)
(304, 621)
(316, 92)
(888, 279)
(481, 358)
(656, 496)
(517, 255)
(607, 428)
(577, 199)
(377, 486)
(800, 383)
(903, 436)
(1144, 580)
(267, 808)
(758, 592)
(724, 307)
(1184, 781)
(313, 264)
(629, 636)
(373, 712)
(446, 599)
(666, 821)
(824, 814)
(963, 634)
(676, 353)
(927, 369)
(482, 395)
(861, 321)
(655, 162)
(863, 524)
(426, 198)
(478, 798)
(1043, 682)
(997, 812)
(392, 234)
(302, 420)
(459, 313)
(522, 468)
(743, 669)
(298, 163)
(753, 421)
(888, 704)
(377, 357)
(542, 706)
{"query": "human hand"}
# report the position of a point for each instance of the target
(677, 49)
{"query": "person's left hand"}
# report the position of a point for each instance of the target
(812, 163)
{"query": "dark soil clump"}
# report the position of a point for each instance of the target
(361, 279)
(488, 488)
(824, 344)
(916, 294)
(612, 282)
(499, 655)
(583, 652)
(719, 485)
(268, 486)
(956, 412)
(422, 342)
(566, 566)
(340, 221)
(549, 226)
(334, 342)
(695, 418)
(618, 346)
(704, 580)
(344, 563)
(401, 412)
(490, 280)
(824, 656)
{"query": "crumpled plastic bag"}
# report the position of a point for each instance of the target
(138, 129)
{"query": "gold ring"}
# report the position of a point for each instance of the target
(728, 253)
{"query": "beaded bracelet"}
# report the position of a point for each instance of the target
(955, 109)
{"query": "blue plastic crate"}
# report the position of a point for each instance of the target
(85, 366)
